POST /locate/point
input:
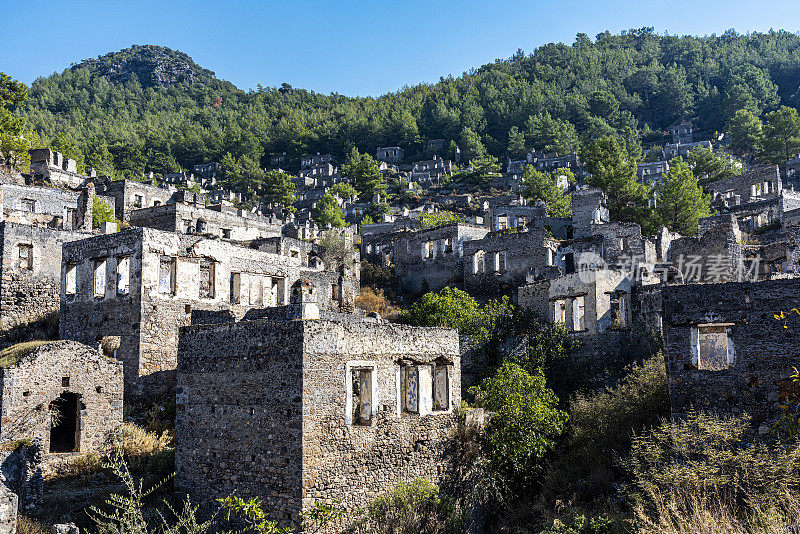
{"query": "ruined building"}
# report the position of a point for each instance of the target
(297, 411)
(431, 259)
(726, 352)
(36, 221)
(80, 384)
(138, 286)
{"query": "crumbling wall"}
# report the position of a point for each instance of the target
(269, 417)
(21, 474)
(762, 352)
(47, 372)
(29, 288)
(432, 259)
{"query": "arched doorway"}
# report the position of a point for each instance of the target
(65, 425)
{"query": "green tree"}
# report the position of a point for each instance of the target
(447, 308)
(681, 201)
(542, 186)
(277, 189)
(364, 174)
(471, 145)
(781, 134)
(344, 190)
(524, 427)
(13, 145)
(328, 212)
(481, 171)
(439, 218)
(614, 172)
(551, 135)
(746, 131)
(102, 212)
(708, 167)
(516, 143)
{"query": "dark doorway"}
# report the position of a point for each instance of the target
(64, 429)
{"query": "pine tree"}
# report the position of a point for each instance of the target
(681, 201)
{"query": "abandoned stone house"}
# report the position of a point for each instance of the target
(130, 195)
(682, 132)
(51, 167)
(306, 162)
(430, 171)
(390, 154)
(64, 393)
(726, 352)
(320, 174)
(431, 259)
(36, 221)
(674, 150)
(551, 162)
(499, 263)
(377, 239)
(651, 173)
(334, 409)
(138, 286)
(217, 220)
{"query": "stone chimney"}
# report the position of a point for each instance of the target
(85, 200)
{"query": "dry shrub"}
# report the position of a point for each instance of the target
(142, 448)
(702, 474)
(585, 473)
(80, 468)
(373, 300)
(29, 525)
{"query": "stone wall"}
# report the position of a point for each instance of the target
(29, 288)
(752, 375)
(164, 288)
(21, 473)
(271, 415)
(488, 275)
(68, 372)
(186, 219)
(741, 185)
(429, 260)
(128, 193)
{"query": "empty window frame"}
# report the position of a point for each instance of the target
(578, 312)
(623, 243)
(441, 387)
(560, 311)
(500, 261)
(479, 262)
(713, 347)
(409, 388)
(226, 233)
(123, 275)
(166, 275)
(360, 400)
(27, 204)
(618, 309)
(100, 278)
(138, 201)
(236, 287)
(71, 279)
(448, 245)
(25, 256)
(206, 279)
(502, 221)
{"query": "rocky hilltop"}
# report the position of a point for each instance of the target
(154, 66)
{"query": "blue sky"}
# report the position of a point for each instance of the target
(349, 47)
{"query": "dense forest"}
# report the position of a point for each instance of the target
(150, 108)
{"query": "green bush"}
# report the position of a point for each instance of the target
(102, 212)
(410, 508)
(524, 427)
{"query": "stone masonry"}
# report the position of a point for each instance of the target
(80, 384)
(304, 411)
(726, 352)
(139, 286)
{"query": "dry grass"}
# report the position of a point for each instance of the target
(28, 525)
(373, 300)
(141, 446)
(682, 512)
(11, 355)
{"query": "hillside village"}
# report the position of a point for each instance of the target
(554, 341)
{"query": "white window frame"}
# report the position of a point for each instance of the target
(348, 387)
